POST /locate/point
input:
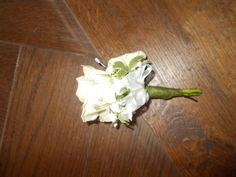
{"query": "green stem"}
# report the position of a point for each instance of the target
(157, 92)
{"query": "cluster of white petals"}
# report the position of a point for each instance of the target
(115, 94)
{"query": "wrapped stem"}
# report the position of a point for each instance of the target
(165, 93)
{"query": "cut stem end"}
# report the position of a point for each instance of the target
(191, 92)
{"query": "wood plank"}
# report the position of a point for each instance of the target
(43, 23)
(191, 44)
(8, 59)
(46, 137)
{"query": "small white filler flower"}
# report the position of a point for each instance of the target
(115, 94)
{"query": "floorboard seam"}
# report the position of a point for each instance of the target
(10, 97)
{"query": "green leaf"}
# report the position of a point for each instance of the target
(119, 65)
(134, 61)
(120, 74)
(123, 93)
(121, 69)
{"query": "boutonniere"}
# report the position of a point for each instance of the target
(114, 94)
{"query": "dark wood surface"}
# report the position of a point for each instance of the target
(41, 23)
(46, 137)
(191, 44)
(8, 59)
(43, 133)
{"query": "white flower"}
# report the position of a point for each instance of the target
(96, 91)
(114, 94)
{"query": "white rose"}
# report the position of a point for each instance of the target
(96, 91)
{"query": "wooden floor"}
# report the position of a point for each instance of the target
(43, 43)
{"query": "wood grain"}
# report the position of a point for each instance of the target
(191, 44)
(8, 59)
(46, 137)
(45, 24)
